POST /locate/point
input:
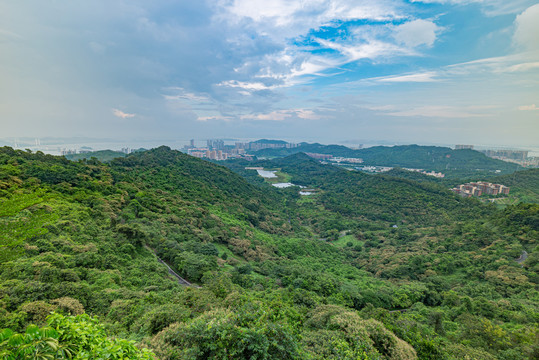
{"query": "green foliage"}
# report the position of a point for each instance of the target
(79, 337)
(247, 333)
(34, 343)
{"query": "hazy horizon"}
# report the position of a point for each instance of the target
(55, 145)
(331, 71)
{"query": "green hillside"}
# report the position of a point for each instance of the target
(275, 275)
(524, 185)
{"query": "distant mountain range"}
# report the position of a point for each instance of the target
(456, 162)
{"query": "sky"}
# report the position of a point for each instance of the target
(416, 71)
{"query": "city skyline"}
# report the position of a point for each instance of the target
(420, 71)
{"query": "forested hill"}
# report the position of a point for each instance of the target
(195, 179)
(524, 184)
(457, 162)
(377, 197)
(277, 275)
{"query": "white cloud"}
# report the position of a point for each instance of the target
(182, 94)
(246, 85)
(490, 7)
(523, 66)
(216, 117)
(531, 107)
(417, 32)
(281, 115)
(429, 76)
(121, 114)
(527, 28)
(520, 62)
(314, 65)
(369, 50)
(298, 28)
(380, 107)
(449, 112)
(286, 22)
(293, 18)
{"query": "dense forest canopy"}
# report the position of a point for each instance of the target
(368, 267)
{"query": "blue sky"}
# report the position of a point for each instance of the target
(418, 71)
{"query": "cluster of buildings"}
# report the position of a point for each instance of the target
(260, 145)
(429, 173)
(520, 157)
(75, 151)
(374, 169)
(346, 160)
(68, 152)
(506, 154)
(216, 149)
(463, 147)
(335, 159)
(480, 188)
(319, 156)
(208, 154)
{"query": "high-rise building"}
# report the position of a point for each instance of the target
(215, 144)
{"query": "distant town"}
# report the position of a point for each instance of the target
(216, 149)
(221, 149)
(515, 156)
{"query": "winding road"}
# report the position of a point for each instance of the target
(181, 280)
(522, 257)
